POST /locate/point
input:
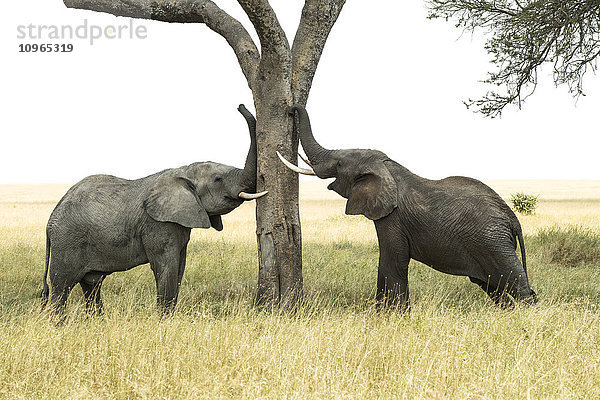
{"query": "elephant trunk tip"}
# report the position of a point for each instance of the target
(295, 107)
(316, 153)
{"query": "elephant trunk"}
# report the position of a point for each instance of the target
(248, 178)
(317, 154)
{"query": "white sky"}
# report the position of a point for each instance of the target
(389, 79)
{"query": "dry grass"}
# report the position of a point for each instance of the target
(453, 345)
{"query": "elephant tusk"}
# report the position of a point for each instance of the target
(251, 196)
(303, 171)
(305, 160)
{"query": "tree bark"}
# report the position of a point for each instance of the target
(277, 216)
(318, 18)
(278, 77)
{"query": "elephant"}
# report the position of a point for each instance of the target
(456, 225)
(105, 224)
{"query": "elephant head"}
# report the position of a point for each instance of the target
(361, 175)
(196, 195)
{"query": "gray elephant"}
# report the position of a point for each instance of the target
(455, 225)
(105, 224)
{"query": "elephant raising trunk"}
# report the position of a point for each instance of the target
(105, 224)
(456, 225)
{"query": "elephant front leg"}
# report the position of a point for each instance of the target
(166, 273)
(392, 275)
(182, 257)
(165, 245)
(392, 286)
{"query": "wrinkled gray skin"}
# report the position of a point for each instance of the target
(105, 224)
(455, 225)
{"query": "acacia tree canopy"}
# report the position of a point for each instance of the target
(524, 35)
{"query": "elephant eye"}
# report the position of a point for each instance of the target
(190, 185)
(218, 179)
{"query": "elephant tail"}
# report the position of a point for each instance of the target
(519, 234)
(46, 289)
(532, 297)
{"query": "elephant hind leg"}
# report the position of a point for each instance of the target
(61, 283)
(91, 285)
(58, 298)
(498, 294)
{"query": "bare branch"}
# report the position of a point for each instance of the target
(318, 17)
(195, 11)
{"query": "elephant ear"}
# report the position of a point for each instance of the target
(170, 199)
(216, 222)
(374, 194)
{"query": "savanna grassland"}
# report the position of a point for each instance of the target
(454, 344)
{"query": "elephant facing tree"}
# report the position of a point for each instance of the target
(456, 225)
(105, 224)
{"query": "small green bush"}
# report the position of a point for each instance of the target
(524, 203)
(570, 247)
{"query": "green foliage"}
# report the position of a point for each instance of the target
(524, 203)
(569, 247)
(522, 36)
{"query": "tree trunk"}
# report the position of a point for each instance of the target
(277, 214)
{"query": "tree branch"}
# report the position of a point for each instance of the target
(270, 33)
(524, 35)
(194, 11)
(318, 17)
(274, 70)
